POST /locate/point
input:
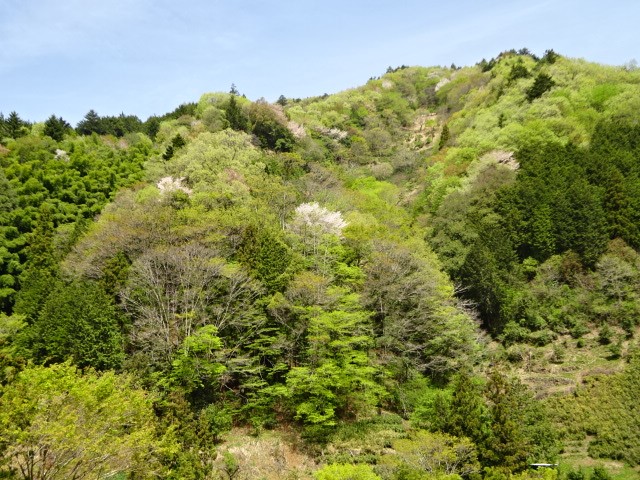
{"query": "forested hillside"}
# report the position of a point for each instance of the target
(432, 276)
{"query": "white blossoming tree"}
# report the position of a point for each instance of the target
(170, 184)
(312, 222)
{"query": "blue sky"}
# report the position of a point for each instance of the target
(147, 56)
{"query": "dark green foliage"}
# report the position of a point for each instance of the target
(612, 164)
(40, 271)
(526, 51)
(14, 126)
(192, 431)
(89, 124)
(236, 309)
(563, 200)
(236, 117)
(183, 109)
(467, 412)
(268, 257)
(488, 273)
(77, 322)
(152, 127)
(56, 128)
(567, 199)
(576, 475)
(168, 153)
(445, 135)
(114, 274)
(270, 130)
(486, 66)
(550, 56)
(177, 142)
(553, 207)
(518, 70)
(509, 428)
(542, 83)
(391, 69)
(501, 120)
(109, 125)
(507, 445)
(401, 287)
(600, 473)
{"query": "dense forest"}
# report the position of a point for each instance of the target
(434, 276)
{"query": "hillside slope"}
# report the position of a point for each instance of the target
(411, 278)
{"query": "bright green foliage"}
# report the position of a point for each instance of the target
(428, 405)
(219, 164)
(496, 473)
(7, 196)
(340, 380)
(72, 181)
(345, 472)
(434, 455)
(195, 363)
(11, 356)
(240, 310)
(58, 424)
(605, 409)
